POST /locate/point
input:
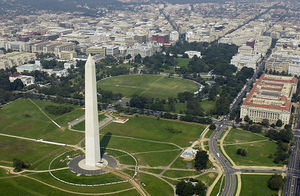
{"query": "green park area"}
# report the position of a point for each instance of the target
(24, 119)
(207, 178)
(180, 133)
(259, 149)
(150, 141)
(182, 62)
(207, 105)
(153, 86)
(253, 185)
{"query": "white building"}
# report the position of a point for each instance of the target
(112, 50)
(28, 68)
(56, 72)
(244, 49)
(245, 60)
(143, 49)
(294, 67)
(191, 54)
(174, 36)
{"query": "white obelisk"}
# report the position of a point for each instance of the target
(92, 143)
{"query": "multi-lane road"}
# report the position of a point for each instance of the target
(292, 186)
(229, 172)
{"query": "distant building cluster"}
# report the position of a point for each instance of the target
(251, 52)
(270, 99)
(285, 57)
(10, 60)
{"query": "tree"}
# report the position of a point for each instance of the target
(241, 152)
(246, 118)
(276, 182)
(279, 123)
(184, 188)
(185, 56)
(190, 187)
(138, 58)
(255, 128)
(212, 126)
(265, 122)
(200, 189)
(17, 85)
(201, 160)
(128, 56)
(285, 135)
(19, 165)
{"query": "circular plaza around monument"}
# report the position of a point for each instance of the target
(77, 165)
(76, 169)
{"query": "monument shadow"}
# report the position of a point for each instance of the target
(104, 143)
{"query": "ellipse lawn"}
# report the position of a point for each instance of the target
(154, 86)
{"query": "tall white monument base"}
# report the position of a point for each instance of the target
(92, 143)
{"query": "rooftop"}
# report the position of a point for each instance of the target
(272, 92)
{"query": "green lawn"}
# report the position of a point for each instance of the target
(147, 152)
(60, 119)
(180, 163)
(253, 185)
(69, 176)
(23, 118)
(257, 153)
(240, 136)
(28, 187)
(153, 129)
(155, 171)
(183, 62)
(147, 85)
(155, 186)
(216, 188)
(179, 174)
(180, 107)
(45, 177)
(29, 151)
(208, 178)
(81, 126)
(208, 133)
(155, 159)
(136, 146)
(207, 105)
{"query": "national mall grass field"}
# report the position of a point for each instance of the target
(154, 86)
(153, 142)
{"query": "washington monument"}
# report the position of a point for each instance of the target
(92, 143)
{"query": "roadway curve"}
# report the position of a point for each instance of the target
(229, 172)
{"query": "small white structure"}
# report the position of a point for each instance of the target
(56, 72)
(120, 120)
(29, 68)
(174, 36)
(191, 54)
(68, 65)
(189, 153)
